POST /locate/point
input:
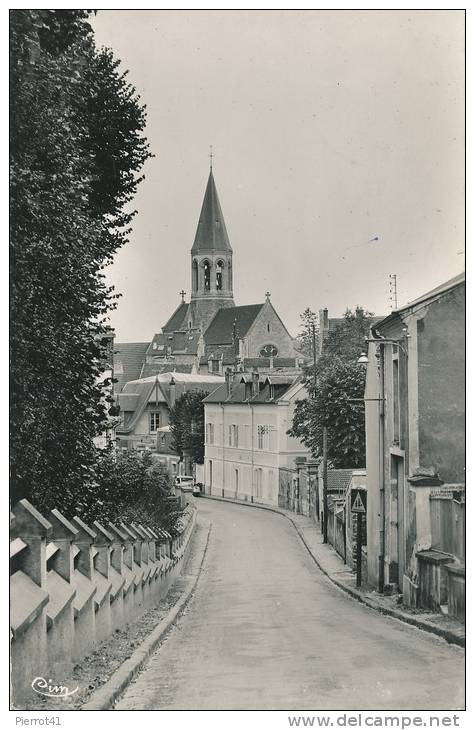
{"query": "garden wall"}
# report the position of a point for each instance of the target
(73, 584)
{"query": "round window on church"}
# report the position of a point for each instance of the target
(269, 351)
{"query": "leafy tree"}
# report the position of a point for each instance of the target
(187, 424)
(308, 320)
(336, 401)
(332, 406)
(133, 488)
(347, 339)
(76, 148)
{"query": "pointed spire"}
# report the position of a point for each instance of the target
(211, 235)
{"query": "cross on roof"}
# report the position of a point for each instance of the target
(211, 157)
(267, 295)
(183, 292)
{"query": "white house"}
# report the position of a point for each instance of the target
(248, 453)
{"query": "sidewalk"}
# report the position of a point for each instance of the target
(329, 562)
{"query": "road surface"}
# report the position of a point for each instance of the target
(267, 630)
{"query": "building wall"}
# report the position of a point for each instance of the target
(268, 330)
(246, 471)
(374, 426)
(441, 381)
(420, 423)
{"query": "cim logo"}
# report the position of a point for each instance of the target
(47, 688)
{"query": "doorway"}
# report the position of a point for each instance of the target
(397, 489)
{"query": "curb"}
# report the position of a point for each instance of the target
(450, 636)
(106, 696)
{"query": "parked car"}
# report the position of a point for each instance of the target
(185, 483)
(198, 489)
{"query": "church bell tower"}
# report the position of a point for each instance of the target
(211, 262)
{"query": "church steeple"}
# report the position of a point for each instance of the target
(211, 234)
(211, 261)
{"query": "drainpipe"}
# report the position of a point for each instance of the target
(222, 437)
(252, 451)
(382, 501)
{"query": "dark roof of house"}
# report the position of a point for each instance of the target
(128, 357)
(211, 234)
(180, 342)
(240, 394)
(221, 328)
(152, 368)
(177, 319)
(338, 479)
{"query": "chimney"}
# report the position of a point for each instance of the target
(255, 383)
(323, 319)
(172, 392)
(229, 381)
(323, 328)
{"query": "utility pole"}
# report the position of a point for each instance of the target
(359, 543)
(325, 476)
(314, 347)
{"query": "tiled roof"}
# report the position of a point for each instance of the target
(177, 319)
(128, 360)
(220, 330)
(152, 368)
(211, 234)
(338, 479)
(239, 394)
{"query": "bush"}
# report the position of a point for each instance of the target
(131, 488)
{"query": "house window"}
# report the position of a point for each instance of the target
(210, 433)
(396, 429)
(215, 366)
(154, 421)
(262, 434)
(233, 435)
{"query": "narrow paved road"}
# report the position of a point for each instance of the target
(266, 630)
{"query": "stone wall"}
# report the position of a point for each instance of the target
(268, 329)
(72, 585)
(441, 386)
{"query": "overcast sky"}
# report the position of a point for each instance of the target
(329, 128)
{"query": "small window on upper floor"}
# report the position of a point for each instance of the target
(154, 422)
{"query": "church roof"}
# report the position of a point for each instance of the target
(211, 234)
(128, 360)
(178, 317)
(220, 330)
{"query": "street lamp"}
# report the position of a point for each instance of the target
(363, 359)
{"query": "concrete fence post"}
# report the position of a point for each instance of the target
(86, 589)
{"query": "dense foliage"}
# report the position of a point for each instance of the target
(77, 146)
(187, 424)
(133, 488)
(337, 400)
